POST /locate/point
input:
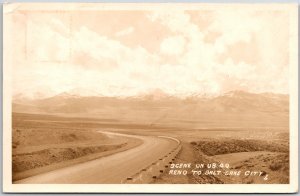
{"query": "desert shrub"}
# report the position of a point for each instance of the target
(275, 166)
(263, 173)
(26, 161)
(281, 162)
(216, 147)
(250, 181)
(15, 144)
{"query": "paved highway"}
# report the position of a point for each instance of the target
(112, 169)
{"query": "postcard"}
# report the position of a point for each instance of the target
(150, 97)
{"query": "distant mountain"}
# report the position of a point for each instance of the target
(159, 107)
(36, 95)
(81, 92)
(155, 95)
(244, 101)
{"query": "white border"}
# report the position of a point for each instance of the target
(149, 188)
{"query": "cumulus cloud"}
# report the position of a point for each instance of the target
(202, 58)
(185, 62)
(47, 41)
(172, 45)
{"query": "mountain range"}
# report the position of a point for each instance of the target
(236, 108)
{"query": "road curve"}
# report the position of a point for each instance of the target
(112, 169)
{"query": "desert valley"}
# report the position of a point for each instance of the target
(247, 131)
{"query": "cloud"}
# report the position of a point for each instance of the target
(235, 26)
(47, 41)
(104, 49)
(124, 32)
(236, 29)
(96, 62)
(172, 45)
(184, 64)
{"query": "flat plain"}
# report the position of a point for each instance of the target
(45, 143)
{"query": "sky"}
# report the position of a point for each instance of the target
(129, 53)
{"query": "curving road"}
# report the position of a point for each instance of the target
(112, 169)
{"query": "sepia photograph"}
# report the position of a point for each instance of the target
(103, 97)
